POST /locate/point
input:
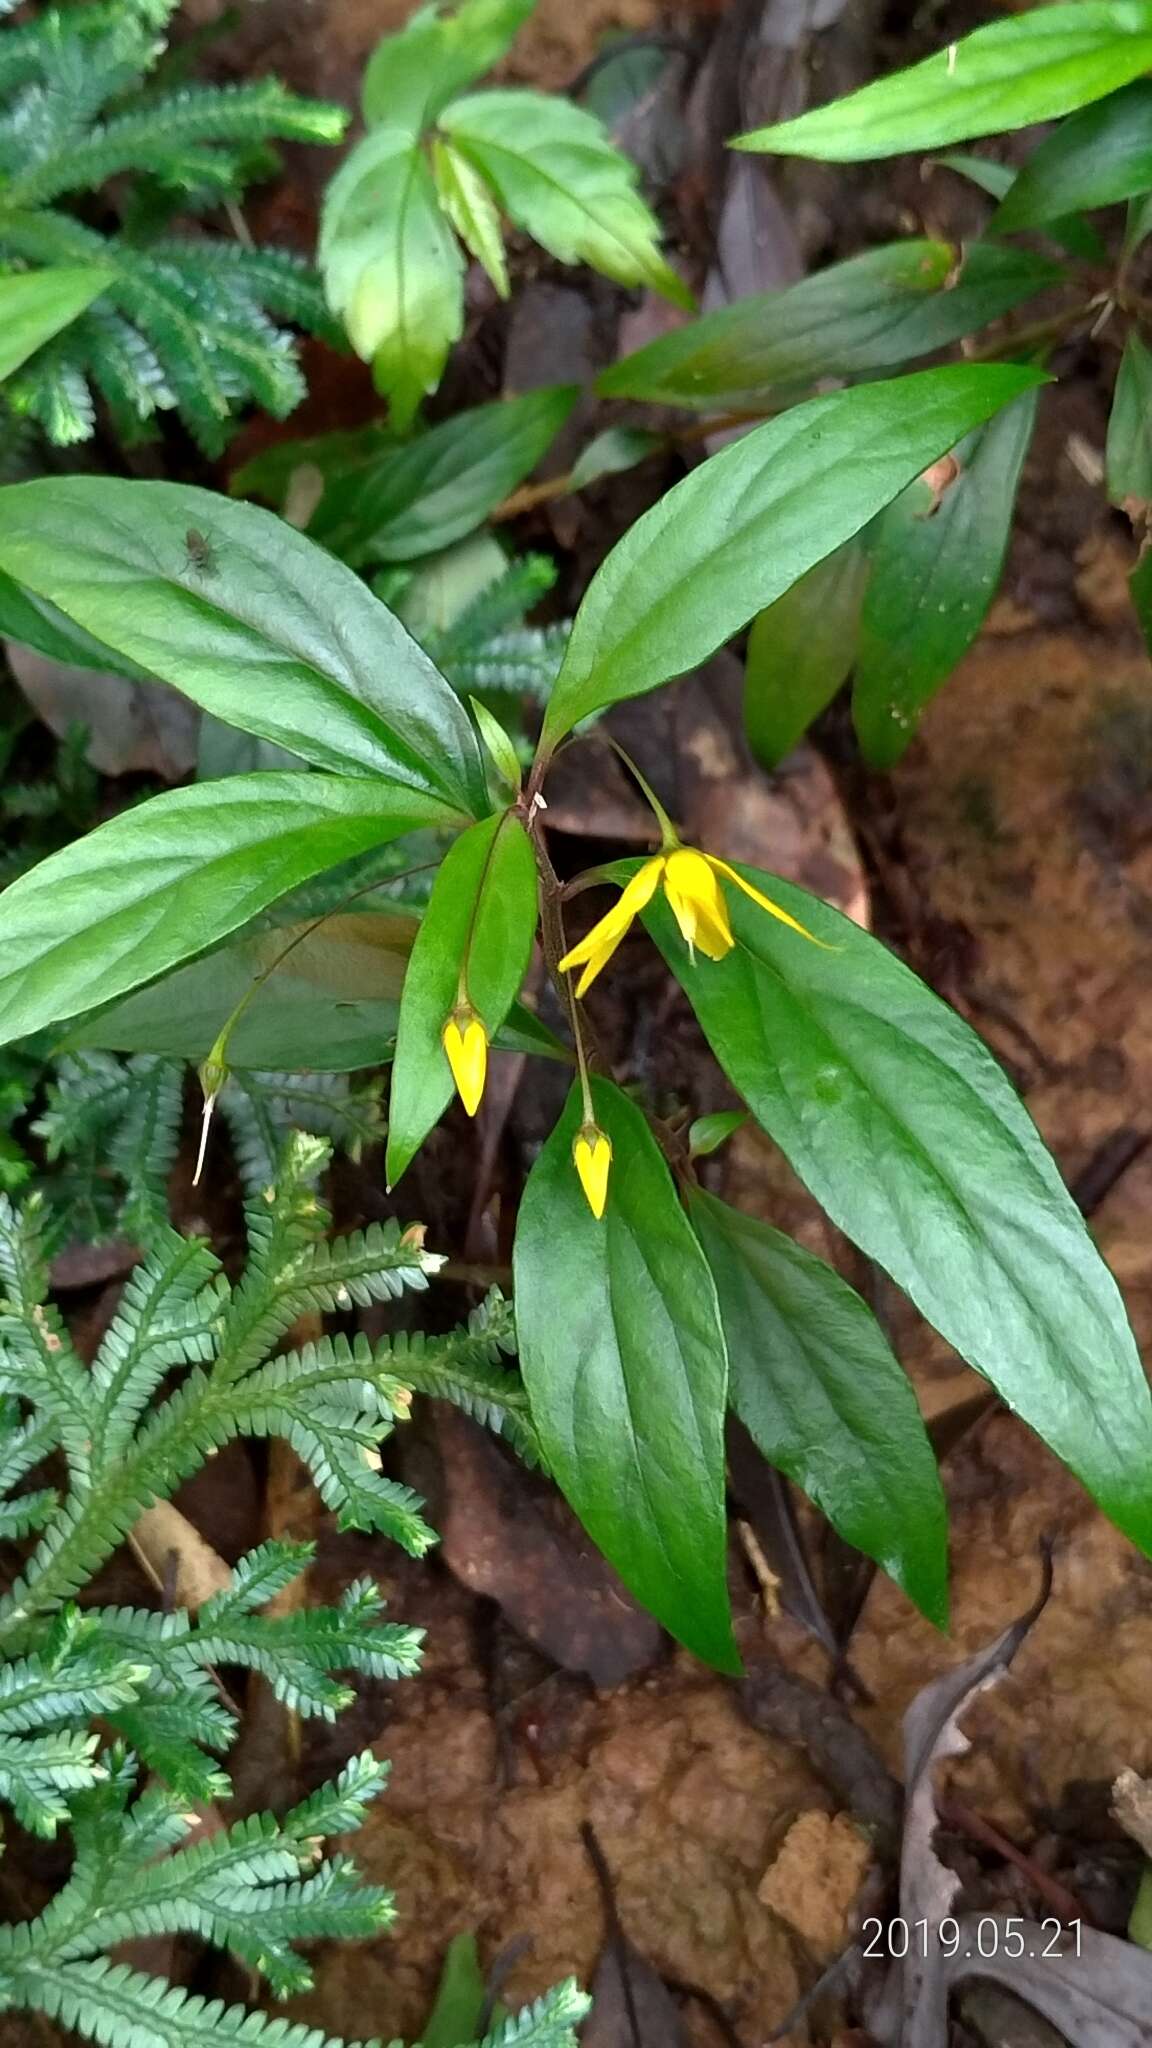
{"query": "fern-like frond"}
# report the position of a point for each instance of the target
(118, 2007)
(261, 1109)
(169, 138)
(171, 1313)
(549, 2023)
(465, 1367)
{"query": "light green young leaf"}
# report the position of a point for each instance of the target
(902, 1125)
(1128, 456)
(479, 925)
(392, 267)
(814, 1382)
(800, 650)
(414, 500)
(172, 877)
(499, 744)
(751, 520)
(455, 2017)
(1031, 67)
(706, 1134)
(471, 209)
(1100, 155)
(36, 304)
(934, 575)
(558, 174)
(249, 619)
(623, 1357)
(873, 312)
(412, 75)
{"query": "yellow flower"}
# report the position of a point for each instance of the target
(697, 903)
(465, 1043)
(592, 1153)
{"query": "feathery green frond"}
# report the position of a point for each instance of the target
(465, 1368)
(187, 322)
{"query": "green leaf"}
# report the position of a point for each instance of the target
(250, 620)
(800, 650)
(1128, 456)
(392, 267)
(499, 744)
(902, 1125)
(455, 2017)
(1140, 586)
(171, 877)
(1031, 67)
(472, 210)
(751, 520)
(419, 498)
(607, 454)
(1073, 235)
(623, 1356)
(36, 304)
(557, 173)
(706, 1134)
(412, 75)
(33, 623)
(332, 1006)
(814, 1382)
(872, 313)
(476, 935)
(1100, 155)
(934, 575)
(269, 474)
(330, 1003)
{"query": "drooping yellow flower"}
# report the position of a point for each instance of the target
(592, 1153)
(692, 886)
(465, 1043)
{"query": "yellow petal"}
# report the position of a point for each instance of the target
(697, 903)
(592, 1153)
(594, 951)
(766, 903)
(465, 1043)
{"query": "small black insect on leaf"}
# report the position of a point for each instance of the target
(201, 553)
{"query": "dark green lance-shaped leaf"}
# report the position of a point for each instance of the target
(392, 267)
(475, 938)
(1032, 67)
(331, 1004)
(34, 623)
(416, 499)
(623, 1356)
(814, 1382)
(871, 313)
(411, 76)
(800, 650)
(935, 568)
(1140, 585)
(733, 536)
(249, 619)
(1102, 154)
(157, 884)
(903, 1126)
(1128, 457)
(558, 174)
(36, 304)
(996, 179)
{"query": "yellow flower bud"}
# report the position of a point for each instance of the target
(465, 1043)
(592, 1154)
